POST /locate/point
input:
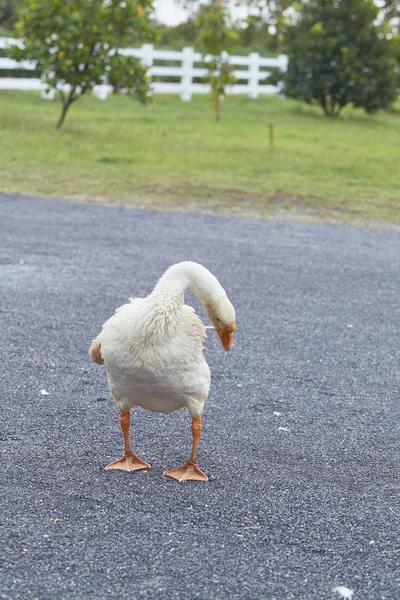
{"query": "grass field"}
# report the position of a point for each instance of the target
(173, 155)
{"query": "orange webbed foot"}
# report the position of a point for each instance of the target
(128, 463)
(188, 472)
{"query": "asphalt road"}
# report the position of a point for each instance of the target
(301, 430)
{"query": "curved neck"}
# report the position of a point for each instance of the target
(188, 275)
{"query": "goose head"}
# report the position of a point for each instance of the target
(207, 288)
(222, 315)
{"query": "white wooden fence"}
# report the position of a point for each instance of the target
(251, 71)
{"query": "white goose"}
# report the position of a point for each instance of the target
(153, 351)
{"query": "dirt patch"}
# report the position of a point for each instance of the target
(231, 201)
(226, 198)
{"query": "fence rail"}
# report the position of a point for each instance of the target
(251, 71)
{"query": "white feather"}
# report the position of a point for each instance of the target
(344, 592)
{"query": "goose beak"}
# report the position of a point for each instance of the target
(226, 336)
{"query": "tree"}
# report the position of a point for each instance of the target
(178, 36)
(338, 55)
(267, 16)
(262, 24)
(76, 45)
(215, 39)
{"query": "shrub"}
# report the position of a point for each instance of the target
(338, 56)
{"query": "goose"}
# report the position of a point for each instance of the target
(152, 349)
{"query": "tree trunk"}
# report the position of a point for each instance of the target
(322, 102)
(63, 113)
(66, 104)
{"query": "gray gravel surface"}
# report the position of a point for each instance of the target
(301, 429)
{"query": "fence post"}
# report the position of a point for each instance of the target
(101, 91)
(147, 55)
(187, 77)
(147, 60)
(254, 74)
(283, 62)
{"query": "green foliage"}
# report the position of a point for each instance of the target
(184, 34)
(261, 29)
(220, 75)
(127, 74)
(266, 21)
(76, 43)
(215, 33)
(391, 11)
(338, 55)
(215, 38)
(254, 34)
(8, 12)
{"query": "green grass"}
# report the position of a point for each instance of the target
(173, 155)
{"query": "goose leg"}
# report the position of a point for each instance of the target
(190, 470)
(129, 462)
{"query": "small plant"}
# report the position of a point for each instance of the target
(215, 39)
(219, 76)
(76, 45)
